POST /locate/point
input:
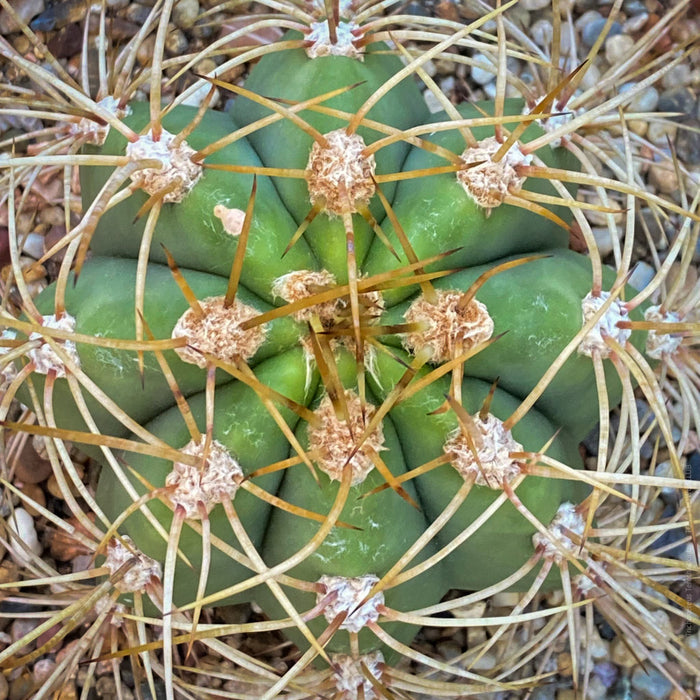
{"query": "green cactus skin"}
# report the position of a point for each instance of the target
(537, 303)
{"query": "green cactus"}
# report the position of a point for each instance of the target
(329, 375)
(535, 303)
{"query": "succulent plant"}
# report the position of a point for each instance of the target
(335, 357)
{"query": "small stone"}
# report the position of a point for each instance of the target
(660, 132)
(185, 13)
(542, 33)
(4, 687)
(30, 467)
(604, 239)
(617, 48)
(592, 29)
(596, 689)
(688, 142)
(651, 683)
(43, 668)
(642, 274)
(22, 524)
(36, 493)
(567, 694)
(144, 53)
(34, 245)
(663, 177)
(137, 13)
(26, 11)
(533, 5)
(676, 77)
(681, 100)
(644, 101)
(21, 687)
(635, 23)
(176, 42)
(621, 654)
(484, 70)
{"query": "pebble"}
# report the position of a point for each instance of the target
(621, 655)
(681, 100)
(677, 76)
(43, 668)
(534, 5)
(22, 524)
(483, 70)
(644, 101)
(541, 32)
(25, 9)
(185, 13)
(4, 687)
(604, 238)
(659, 132)
(688, 142)
(591, 31)
(21, 687)
(34, 245)
(617, 48)
(176, 42)
(544, 692)
(642, 274)
(663, 177)
(651, 683)
(596, 689)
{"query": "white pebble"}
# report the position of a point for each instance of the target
(22, 524)
(659, 132)
(604, 240)
(532, 5)
(542, 33)
(617, 48)
(483, 71)
(642, 274)
(644, 101)
(34, 245)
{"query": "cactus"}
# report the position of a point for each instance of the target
(334, 356)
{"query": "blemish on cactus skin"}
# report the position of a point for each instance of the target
(231, 219)
(487, 459)
(178, 173)
(489, 182)
(44, 357)
(333, 441)
(606, 326)
(341, 595)
(218, 332)
(213, 481)
(449, 326)
(340, 176)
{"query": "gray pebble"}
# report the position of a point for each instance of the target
(176, 42)
(651, 683)
(604, 240)
(25, 9)
(680, 100)
(642, 274)
(688, 142)
(544, 692)
(185, 13)
(483, 70)
(644, 101)
(542, 32)
(633, 7)
(592, 30)
(533, 5)
(677, 76)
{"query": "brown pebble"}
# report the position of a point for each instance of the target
(54, 488)
(9, 571)
(30, 468)
(36, 493)
(21, 687)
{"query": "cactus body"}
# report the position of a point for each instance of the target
(537, 304)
